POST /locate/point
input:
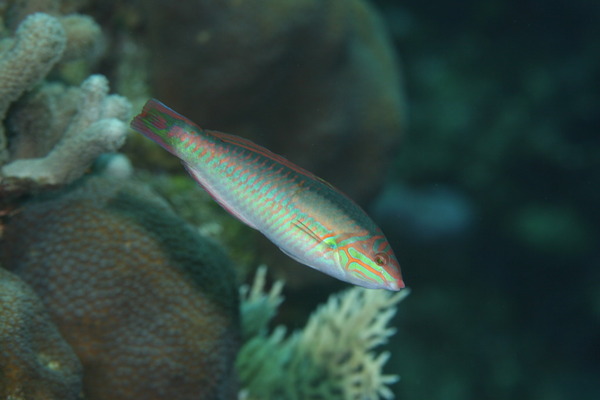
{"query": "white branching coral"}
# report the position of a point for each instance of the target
(90, 122)
(51, 132)
(258, 307)
(84, 37)
(38, 44)
(331, 358)
(340, 335)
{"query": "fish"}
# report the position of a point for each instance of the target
(306, 217)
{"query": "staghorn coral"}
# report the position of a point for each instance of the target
(331, 358)
(150, 307)
(35, 360)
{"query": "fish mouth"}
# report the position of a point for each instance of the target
(396, 285)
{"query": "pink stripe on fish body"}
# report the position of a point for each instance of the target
(305, 216)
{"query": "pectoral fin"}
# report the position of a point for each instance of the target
(309, 232)
(319, 249)
(327, 241)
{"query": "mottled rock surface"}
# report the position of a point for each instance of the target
(35, 360)
(149, 306)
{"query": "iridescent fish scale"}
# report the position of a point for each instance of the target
(305, 216)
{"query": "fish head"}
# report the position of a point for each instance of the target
(370, 263)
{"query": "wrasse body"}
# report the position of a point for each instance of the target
(308, 219)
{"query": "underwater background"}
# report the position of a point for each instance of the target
(469, 131)
(501, 161)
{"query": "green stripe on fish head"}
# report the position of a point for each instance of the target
(369, 261)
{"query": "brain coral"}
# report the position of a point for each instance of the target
(149, 306)
(35, 361)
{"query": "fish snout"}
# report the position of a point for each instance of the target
(396, 285)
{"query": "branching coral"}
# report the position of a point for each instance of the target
(38, 44)
(84, 37)
(56, 131)
(259, 307)
(88, 122)
(331, 358)
(341, 334)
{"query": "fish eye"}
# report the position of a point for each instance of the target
(381, 259)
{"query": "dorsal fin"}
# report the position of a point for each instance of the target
(255, 148)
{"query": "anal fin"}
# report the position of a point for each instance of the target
(302, 226)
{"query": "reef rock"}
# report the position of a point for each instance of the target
(35, 360)
(149, 306)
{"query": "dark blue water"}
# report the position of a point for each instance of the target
(503, 151)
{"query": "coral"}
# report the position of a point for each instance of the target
(38, 44)
(149, 306)
(55, 132)
(194, 205)
(84, 36)
(114, 165)
(17, 10)
(35, 360)
(315, 81)
(259, 307)
(85, 45)
(61, 131)
(331, 358)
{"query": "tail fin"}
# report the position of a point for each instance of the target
(161, 124)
